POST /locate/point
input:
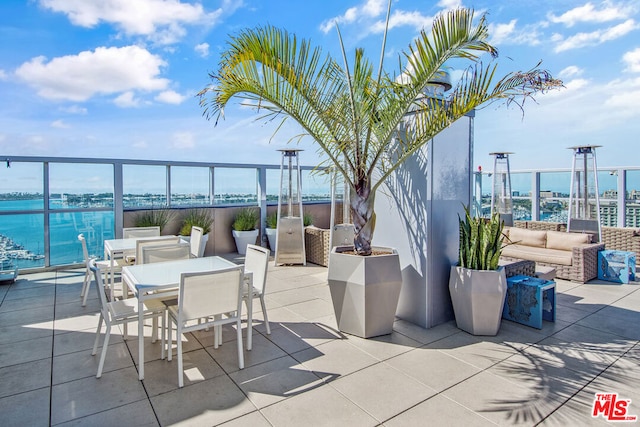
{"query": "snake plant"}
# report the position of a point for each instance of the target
(480, 241)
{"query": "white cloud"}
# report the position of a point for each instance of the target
(202, 49)
(632, 60)
(589, 13)
(59, 124)
(369, 9)
(170, 97)
(570, 71)
(74, 109)
(103, 71)
(510, 33)
(161, 20)
(127, 100)
(182, 140)
(625, 97)
(594, 38)
(3, 74)
(450, 4)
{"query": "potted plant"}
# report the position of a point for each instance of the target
(199, 218)
(354, 112)
(271, 228)
(244, 229)
(478, 286)
(152, 218)
(307, 219)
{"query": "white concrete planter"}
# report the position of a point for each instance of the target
(244, 238)
(365, 292)
(271, 236)
(478, 298)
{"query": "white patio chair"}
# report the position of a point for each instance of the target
(196, 240)
(132, 232)
(121, 312)
(142, 243)
(257, 262)
(213, 295)
(103, 265)
(163, 253)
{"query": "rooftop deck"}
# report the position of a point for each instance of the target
(307, 373)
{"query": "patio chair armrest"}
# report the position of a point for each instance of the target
(585, 261)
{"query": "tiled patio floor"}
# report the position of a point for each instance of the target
(307, 374)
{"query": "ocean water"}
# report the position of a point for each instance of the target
(26, 232)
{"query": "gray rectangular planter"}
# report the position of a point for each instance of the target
(365, 292)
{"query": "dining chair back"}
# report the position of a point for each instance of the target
(163, 253)
(121, 312)
(133, 232)
(142, 243)
(215, 296)
(196, 241)
(257, 262)
(86, 283)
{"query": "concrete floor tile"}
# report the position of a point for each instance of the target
(262, 351)
(26, 409)
(440, 411)
(433, 368)
(423, 335)
(382, 391)
(139, 414)
(161, 376)
(209, 402)
(72, 342)
(25, 351)
(334, 358)
(34, 315)
(37, 301)
(82, 364)
(275, 380)
(473, 350)
(253, 419)
(312, 309)
(613, 320)
(17, 333)
(385, 346)
(503, 402)
(23, 377)
(323, 406)
(88, 396)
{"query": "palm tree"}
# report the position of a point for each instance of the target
(353, 114)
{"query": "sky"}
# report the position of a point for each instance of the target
(119, 78)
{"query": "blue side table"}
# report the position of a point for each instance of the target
(617, 266)
(530, 300)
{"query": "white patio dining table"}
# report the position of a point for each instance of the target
(119, 248)
(146, 279)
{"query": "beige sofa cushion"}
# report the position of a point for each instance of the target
(532, 238)
(550, 256)
(566, 241)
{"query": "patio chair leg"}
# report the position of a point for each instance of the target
(169, 339)
(95, 343)
(264, 314)
(180, 373)
(103, 354)
(240, 352)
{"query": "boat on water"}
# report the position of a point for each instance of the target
(8, 271)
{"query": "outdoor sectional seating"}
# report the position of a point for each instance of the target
(573, 255)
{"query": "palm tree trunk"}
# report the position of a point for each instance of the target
(363, 216)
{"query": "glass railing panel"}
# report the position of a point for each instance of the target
(64, 228)
(190, 186)
(608, 192)
(80, 185)
(316, 186)
(144, 186)
(235, 186)
(554, 196)
(22, 240)
(21, 186)
(632, 199)
(273, 186)
(521, 194)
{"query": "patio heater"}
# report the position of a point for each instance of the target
(584, 197)
(290, 232)
(501, 201)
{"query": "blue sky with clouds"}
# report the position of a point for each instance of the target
(118, 78)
